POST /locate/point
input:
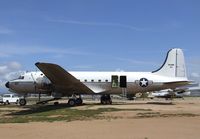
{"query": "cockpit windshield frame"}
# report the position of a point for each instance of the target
(21, 77)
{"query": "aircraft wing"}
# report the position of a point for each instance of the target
(62, 80)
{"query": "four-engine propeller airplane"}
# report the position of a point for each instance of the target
(54, 79)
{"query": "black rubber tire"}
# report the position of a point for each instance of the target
(56, 103)
(22, 102)
(79, 101)
(106, 99)
(71, 102)
(103, 102)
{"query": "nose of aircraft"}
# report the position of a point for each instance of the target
(7, 84)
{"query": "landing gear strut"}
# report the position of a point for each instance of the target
(106, 99)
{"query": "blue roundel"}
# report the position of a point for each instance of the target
(144, 82)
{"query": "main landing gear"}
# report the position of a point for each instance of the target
(106, 99)
(75, 101)
(22, 101)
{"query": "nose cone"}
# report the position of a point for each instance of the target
(7, 84)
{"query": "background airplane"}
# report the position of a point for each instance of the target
(170, 94)
(55, 80)
(193, 89)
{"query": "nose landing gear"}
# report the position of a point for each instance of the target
(22, 102)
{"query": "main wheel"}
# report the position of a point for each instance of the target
(79, 101)
(109, 101)
(106, 99)
(71, 102)
(103, 99)
(56, 103)
(103, 102)
(22, 102)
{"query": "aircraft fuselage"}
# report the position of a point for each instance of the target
(98, 82)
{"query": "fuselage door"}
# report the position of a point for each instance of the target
(123, 82)
(114, 81)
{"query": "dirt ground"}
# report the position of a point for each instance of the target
(179, 120)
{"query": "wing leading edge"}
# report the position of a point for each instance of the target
(62, 80)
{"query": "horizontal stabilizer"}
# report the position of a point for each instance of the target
(178, 83)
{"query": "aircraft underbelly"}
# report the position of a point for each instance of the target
(132, 88)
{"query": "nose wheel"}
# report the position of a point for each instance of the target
(22, 102)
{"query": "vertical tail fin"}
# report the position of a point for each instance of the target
(174, 65)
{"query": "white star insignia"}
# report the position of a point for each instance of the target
(143, 82)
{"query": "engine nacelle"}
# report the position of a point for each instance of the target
(43, 84)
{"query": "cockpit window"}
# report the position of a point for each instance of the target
(21, 77)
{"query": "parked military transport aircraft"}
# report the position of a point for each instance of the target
(54, 79)
(170, 94)
(179, 92)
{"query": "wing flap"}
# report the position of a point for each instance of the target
(63, 80)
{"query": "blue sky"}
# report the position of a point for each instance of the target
(130, 35)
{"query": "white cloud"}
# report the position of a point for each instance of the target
(138, 62)
(195, 75)
(119, 70)
(84, 67)
(7, 70)
(3, 70)
(12, 75)
(7, 77)
(14, 65)
(98, 24)
(4, 30)
(8, 50)
(172, 24)
(193, 66)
